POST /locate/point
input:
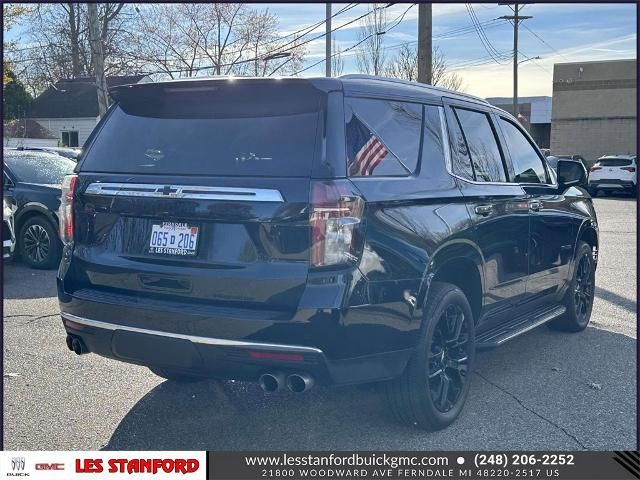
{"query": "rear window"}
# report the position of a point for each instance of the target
(38, 167)
(231, 129)
(614, 162)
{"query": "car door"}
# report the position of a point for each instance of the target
(553, 221)
(497, 207)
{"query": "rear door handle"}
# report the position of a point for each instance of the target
(535, 205)
(484, 210)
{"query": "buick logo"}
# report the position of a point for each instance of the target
(17, 467)
(17, 463)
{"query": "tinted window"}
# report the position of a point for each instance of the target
(38, 167)
(482, 146)
(383, 137)
(460, 159)
(527, 164)
(614, 162)
(231, 129)
(432, 149)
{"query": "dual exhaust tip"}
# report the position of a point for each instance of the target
(296, 382)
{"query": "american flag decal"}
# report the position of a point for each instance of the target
(366, 150)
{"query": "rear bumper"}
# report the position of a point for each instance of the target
(224, 358)
(613, 184)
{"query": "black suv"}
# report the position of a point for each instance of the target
(345, 230)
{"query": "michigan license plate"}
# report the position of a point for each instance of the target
(171, 238)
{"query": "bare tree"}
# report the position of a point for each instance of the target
(337, 62)
(185, 40)
(265, 44)
(371, 57)
(404, 65)
(59, 46)
(11, 14)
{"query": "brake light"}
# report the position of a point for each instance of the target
(594, 168)
(66, 208)
(629, 169)
(336, 221)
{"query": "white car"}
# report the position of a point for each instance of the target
(8, 236)
(614, 173)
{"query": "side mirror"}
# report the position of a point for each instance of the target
(571, 173)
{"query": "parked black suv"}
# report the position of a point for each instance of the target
(342, 230)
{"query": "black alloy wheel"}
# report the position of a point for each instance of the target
(578, 300)
(432, 390)
(449, 359)
(39, 244)
(583, 290)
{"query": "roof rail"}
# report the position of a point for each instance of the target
(414, 84)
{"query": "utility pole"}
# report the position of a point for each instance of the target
(516, 20)
(424, 43)
(328, 41)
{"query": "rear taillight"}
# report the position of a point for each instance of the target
(336, 222)
(66, 208)
(594, 168)
(629, 169)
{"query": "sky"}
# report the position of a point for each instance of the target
(557, 33)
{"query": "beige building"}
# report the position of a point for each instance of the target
(594, 108)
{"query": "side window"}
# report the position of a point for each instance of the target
(460, 159)
(527, 164)
(486, 160)
(383, 137)
(432, 147)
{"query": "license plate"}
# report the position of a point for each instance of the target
(172, 238)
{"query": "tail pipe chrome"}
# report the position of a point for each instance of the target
(299, 382)
(272, 381)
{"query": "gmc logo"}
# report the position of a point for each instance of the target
(49, 466)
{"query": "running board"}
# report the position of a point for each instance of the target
(506, 331)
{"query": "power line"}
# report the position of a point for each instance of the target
(278, 49)
(272, 52)
(545, 43)
(484, 40)
(397, 21)
(488, 24)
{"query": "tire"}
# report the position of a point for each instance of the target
(579, 297)
(417, 400)
(39, 244)
(176, 376)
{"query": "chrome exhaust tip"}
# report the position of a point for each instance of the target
(271, 382)
(299, 382)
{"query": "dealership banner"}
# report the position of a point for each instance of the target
(198, 465)
(103, 465)
(425, 465)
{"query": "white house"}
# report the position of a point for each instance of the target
(27, 133)
(69, 109)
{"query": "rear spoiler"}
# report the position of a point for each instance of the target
(213, 83)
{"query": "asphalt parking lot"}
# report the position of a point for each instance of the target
(543, 390)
